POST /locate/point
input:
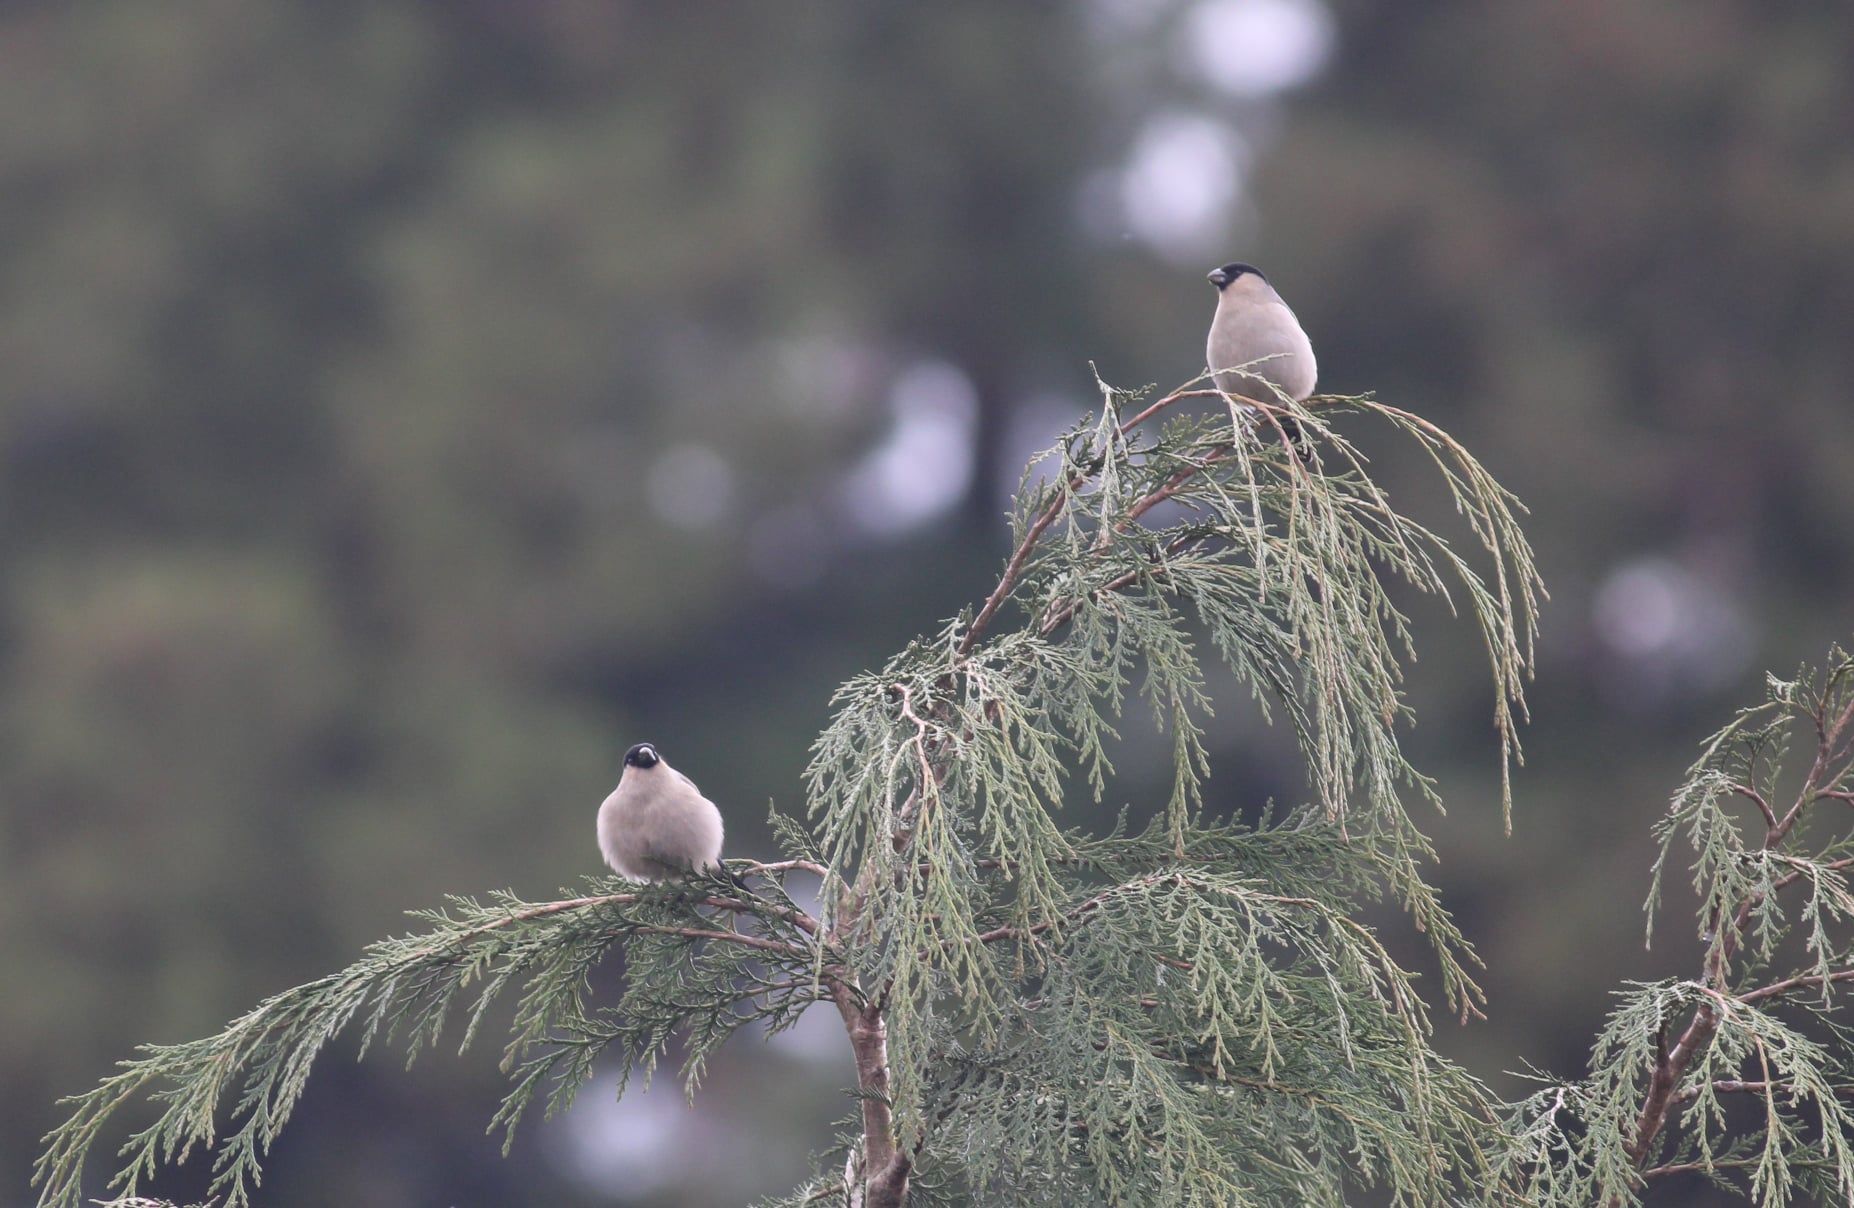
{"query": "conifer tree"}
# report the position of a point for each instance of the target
(1183, 1010)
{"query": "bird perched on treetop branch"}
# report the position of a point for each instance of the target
(1255, 340)
(656, 825)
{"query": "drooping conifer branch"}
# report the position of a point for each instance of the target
(1266, 554)
(1185, 1011)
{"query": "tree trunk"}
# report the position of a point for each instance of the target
(885, 1169)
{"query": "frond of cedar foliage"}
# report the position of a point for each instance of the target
(704, 960)
(1741, 1075)
(1187, 1012)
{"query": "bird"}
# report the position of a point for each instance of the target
(656, 825)
(1253, 327)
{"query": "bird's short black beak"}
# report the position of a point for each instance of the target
(1217, 277)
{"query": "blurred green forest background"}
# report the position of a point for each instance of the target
(405, 407)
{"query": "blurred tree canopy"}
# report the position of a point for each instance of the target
(404, 407)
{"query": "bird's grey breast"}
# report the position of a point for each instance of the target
(1256, 328)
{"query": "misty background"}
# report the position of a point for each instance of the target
(406, 407)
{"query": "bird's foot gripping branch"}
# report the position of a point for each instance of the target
(1183, 1010)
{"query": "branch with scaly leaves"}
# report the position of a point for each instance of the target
(1227, 1031)
(1768, 872)
(758, 967)
(1249, 1017)
(1276, 551)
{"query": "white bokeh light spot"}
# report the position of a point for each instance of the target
(1180, 182)
(925, 464)
(639, 1142)
(1252, 48)
(1669, 627)
(1640, 607)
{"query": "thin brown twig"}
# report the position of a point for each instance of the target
(1020, 556)
(1792, 877)
(1751, 794)
(1728, 1086)
(1799, 982)
(917, 802)
(1059, 614)
(1828, 736)
(732, 937)
(779, 866)
(1702, 1166)
(736, 905)
(1670, 1068)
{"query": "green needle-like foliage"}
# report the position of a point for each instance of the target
(1188, 1011)
(688, 972)
(1742, 1074)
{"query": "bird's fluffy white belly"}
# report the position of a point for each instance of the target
(645, 839)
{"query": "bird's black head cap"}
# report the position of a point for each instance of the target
(643, 755)
(1222, 277)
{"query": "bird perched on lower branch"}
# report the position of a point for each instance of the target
(1256, 344)
(656, 825)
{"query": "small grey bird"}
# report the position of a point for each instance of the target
(1252, 323)
(656, 825)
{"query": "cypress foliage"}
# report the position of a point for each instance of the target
(1742, 1074)
(1180, 1011)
